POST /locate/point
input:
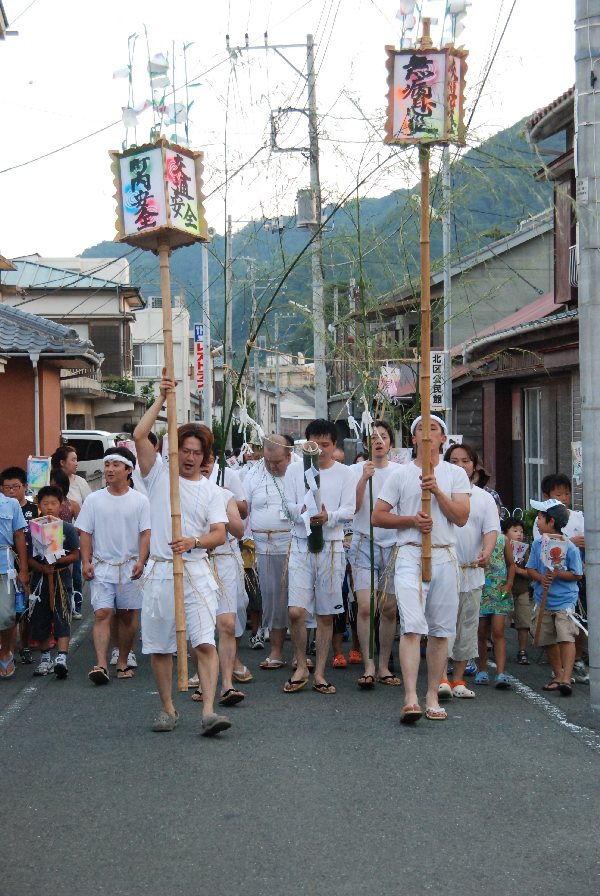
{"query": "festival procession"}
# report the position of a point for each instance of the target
(298, 451)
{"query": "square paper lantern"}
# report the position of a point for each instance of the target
(425, 96)
(159, 195)
(47, 537)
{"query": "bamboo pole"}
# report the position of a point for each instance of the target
(542, 608)
(425, 353)
(372, 547)
(165, 289)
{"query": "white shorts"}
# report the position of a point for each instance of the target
(274, 590)
(464, 647)
(360, 561)
(109, 595)
(426, 608)
(232, 594)
(315, 581)
(158, 608)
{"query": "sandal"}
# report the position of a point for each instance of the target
(290, 687)
(193, 682)
(272, 664)
(5, 666)
(339, 662)
(366, 682)
(565, 688)
(410, 714)
(324, 688)
(436, 715)
(244, 675)
(389, 679)
(355, 658)
(230, 697)
(99, 675)
(309, 665)
(552, 686)
(197, 696)
(125, 673)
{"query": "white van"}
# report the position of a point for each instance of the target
(90, 446)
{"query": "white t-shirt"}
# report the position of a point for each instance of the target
(201, 506)
(575, 526)
(483, 518)
(266, 506)
(231, 542)
(138, 479)
(338, 494)
(115, 523)
(384, 537)
(232, 482)
(79, 490)
(403, 491)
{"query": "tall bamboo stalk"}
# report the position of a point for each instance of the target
(165, 289)
(372, 547)
(424, 153)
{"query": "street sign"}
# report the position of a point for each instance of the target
(438, 362)
(199, 343)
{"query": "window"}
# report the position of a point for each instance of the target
(533, 445)
(148, 360)
(273, 413)
(106, 338)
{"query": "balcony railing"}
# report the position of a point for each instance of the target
(147, 371)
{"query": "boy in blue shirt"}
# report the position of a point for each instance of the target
(12, 528)
(558, 630)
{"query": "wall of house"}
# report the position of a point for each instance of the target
(576, 407)
(17, 411)
(468, 415)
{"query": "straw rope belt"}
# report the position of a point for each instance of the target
(194, 587)
(446, 547)
(119, 565)
(386, 574)
(269, 533)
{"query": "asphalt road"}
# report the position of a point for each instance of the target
(306, 794)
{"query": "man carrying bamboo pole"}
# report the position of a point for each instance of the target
(378, 470)
(315, 579)
(203, 520)
(426, 608)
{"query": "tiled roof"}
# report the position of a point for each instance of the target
(24, 332)
(30, 275)
(541, 113)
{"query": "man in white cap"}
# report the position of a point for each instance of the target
(426, 608)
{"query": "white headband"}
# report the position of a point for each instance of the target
(433, 417)
(120, 458)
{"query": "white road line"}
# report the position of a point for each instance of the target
(589, 737)
(25, 696)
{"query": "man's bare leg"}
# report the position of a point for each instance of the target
(227, 649)
(323, 644)
(162, 669)
(101, 635)
(277, 638)
(363, 626)
(127, 627)
(437, 658)
(387, 633)
(298, 636)
(208, 672)
(410, 657)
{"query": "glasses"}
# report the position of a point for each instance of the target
(13, 488)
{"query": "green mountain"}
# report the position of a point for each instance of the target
(492, 190)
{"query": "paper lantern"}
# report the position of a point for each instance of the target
(406, 7)
(159, 194)
(425, 96)
(47, 537)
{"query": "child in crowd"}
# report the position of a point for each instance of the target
(558, 486)
(496, 603)
(523, 606)
(51, 589)
(558, 630)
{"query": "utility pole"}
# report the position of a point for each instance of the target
(318, 286)
(251, 262)
(277, 393)
(207, 389)
(227, 386)
(447, 284)
(587, 130)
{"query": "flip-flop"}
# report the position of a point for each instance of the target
(125, 673)
(246, 675)
(212, 724)
(391, 680)
(436, 715)
(197, 696)
(5, 666)
(565, 688)
(272, 664)
(410, 714)
(290, 687)
(309, 665)
(366, 682)
(193, 682)
(324, 688)
(552, 686)
(99, 675)
(231, 697)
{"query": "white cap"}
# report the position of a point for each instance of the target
(433, 417)
(545, 505)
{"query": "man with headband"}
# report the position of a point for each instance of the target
(426, 608)
(114, 529)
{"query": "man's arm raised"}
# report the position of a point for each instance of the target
(146, 453)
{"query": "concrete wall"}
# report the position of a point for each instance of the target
(17, 411)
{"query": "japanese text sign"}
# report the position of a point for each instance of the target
(425, 96)
(438, 364)
(159, 195)
(199, 343)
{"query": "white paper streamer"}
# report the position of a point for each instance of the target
(305, 517)
(310, 479)
(572, 616)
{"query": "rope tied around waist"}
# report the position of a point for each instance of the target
(119, 565)
(269, 533)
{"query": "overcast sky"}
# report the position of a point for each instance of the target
(58, 87)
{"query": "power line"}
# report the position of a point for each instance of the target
(489, 68)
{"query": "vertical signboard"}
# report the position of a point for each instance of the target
(199, 343)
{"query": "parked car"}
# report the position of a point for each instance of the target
(90, 446)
